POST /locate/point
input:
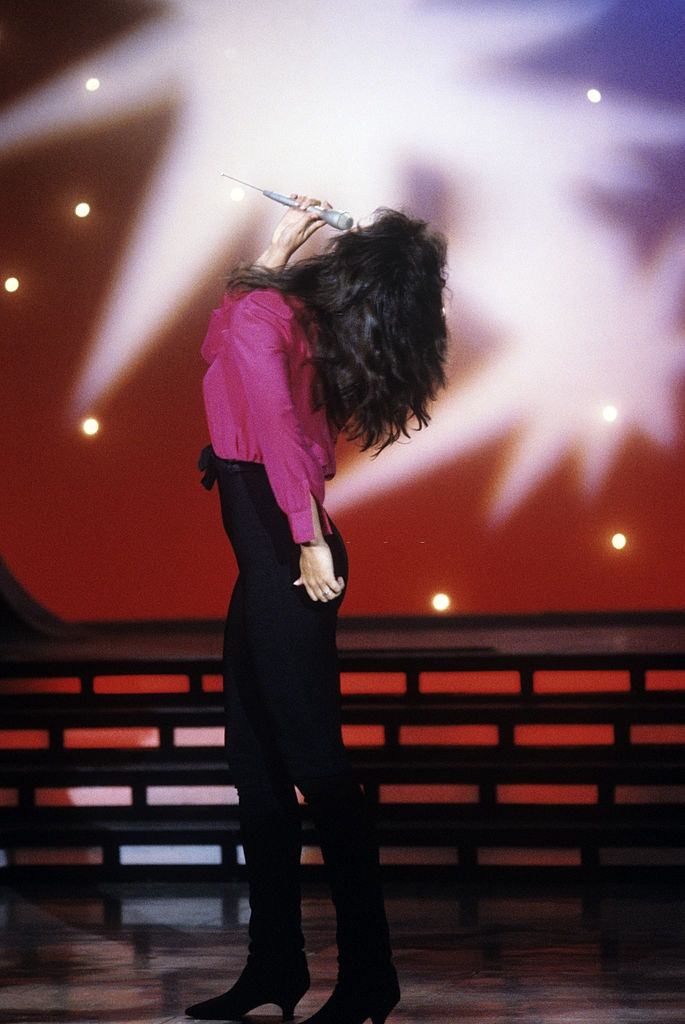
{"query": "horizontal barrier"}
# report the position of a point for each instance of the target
(461, 683)
(522, 766)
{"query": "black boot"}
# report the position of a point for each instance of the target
(367, 981)
(276, 969)
(358, 999)
(269, 978)
(272, 845)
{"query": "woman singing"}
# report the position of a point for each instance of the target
(352, 340)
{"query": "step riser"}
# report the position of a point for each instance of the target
(571, 766)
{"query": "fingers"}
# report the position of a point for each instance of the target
(322, 590)
(304, 202)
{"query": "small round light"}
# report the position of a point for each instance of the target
(11, 284)
(610, 413)
(90, 426)
(440, 602)
(93, 84)
(237, 194)
(82, 209)
(619, 541)
(594, 95)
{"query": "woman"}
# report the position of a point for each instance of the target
(353, 339)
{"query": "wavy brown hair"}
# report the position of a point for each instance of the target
(376, 294)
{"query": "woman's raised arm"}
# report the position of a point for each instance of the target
(293, 229)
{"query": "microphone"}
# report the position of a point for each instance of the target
(336, 218)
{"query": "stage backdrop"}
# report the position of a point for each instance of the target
(545, 139)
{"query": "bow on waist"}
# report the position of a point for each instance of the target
(209, 461)
(207, 465)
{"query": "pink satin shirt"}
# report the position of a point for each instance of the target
(258, 400)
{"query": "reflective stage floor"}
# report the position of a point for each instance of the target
(556, 953)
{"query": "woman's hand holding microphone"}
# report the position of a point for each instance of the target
(293, 229)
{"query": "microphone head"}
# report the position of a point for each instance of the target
(343, 221)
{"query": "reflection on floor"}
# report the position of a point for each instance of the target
(557, 954)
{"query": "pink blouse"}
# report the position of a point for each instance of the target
(258, 400)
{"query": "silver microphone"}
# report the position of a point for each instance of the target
(336, 218)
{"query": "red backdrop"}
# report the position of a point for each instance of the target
(118, 527)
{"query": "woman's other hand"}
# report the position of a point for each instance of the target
(294, 228)
(317, 574)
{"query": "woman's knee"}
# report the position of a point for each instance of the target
(329, 789)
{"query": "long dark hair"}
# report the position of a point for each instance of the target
(376, 294)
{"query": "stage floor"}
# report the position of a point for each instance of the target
(495, 954)
(486, 637)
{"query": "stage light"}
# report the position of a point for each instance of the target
(82, 209)
(90, 426)
(610, 413)
(237, 194)
(11, 284)
(440, 602)
(619, 541)
(594, 95)
(93, 84)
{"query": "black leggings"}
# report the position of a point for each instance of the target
(283, 729)
(282, 684)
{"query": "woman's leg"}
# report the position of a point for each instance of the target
(283, 726)
(270, 822)
(270, 825)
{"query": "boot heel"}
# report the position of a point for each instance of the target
(379, 1018)
(380, 1015)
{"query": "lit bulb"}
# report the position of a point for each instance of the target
(440, 602)
(237, 194)
(619, 541)
(82, 209)
(610, 413)
(90, 426)
(11, 284)
(594, 95)
(93, 84)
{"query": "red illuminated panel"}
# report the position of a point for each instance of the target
(665, 679)
(9, 797)
(581, 682)
(449, 735)
(373, 682)
(57, 685)
(438, 793)
(310, 855)
(83, 796)
(39, 856)
(141, 684)
(24, 739)
(363, 735)
(563, 735)
(515, 856)
(199, 736)
(418, 855)
(649, 794)
(512, 793)
(469, 682)
(129, 737)
(213, 684)
(657, 734)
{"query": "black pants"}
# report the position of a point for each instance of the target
(283, 729)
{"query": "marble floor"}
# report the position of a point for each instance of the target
(505, 952)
